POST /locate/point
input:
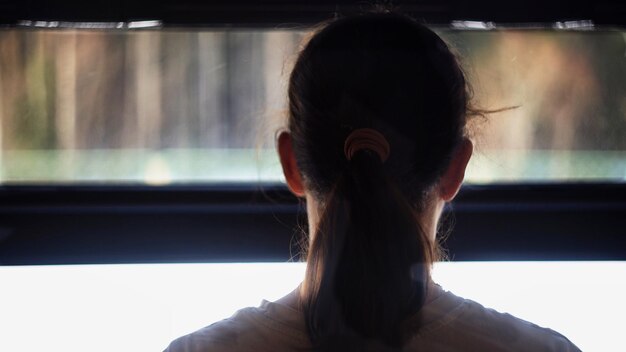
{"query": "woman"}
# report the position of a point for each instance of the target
(376, 144)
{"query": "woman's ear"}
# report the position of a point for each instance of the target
(288, 162)
(451, 181)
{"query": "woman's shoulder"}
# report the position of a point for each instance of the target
(471, 326)
(269, 327)
(513, 331)
(222, 335)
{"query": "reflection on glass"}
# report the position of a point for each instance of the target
(161, 106)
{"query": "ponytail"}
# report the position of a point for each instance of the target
(368, 263)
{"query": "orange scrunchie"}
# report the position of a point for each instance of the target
(366, 138)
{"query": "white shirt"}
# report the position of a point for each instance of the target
(446, 323)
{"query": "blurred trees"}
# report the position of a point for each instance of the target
(145, 89)
(188, 89)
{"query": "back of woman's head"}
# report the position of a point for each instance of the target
(369, 259)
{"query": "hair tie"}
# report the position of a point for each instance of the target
(366, 138)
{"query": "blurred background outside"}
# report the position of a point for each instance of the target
(197, 106)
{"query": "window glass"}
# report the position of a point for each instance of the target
(181, 106)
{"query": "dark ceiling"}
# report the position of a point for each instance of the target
(293, 13)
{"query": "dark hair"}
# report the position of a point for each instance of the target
(369, 260)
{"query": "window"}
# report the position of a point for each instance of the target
(202, 105)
